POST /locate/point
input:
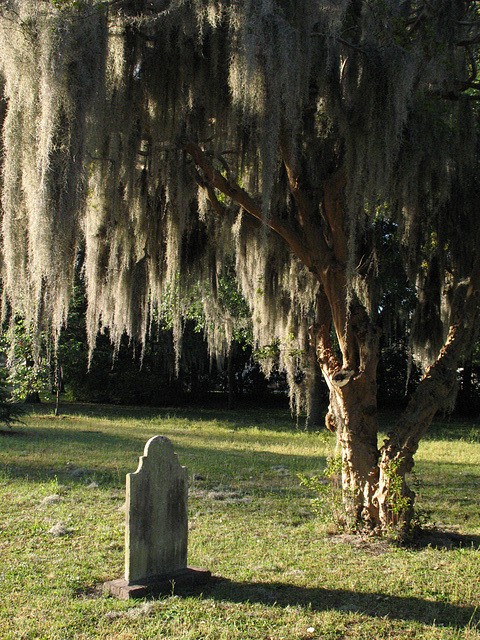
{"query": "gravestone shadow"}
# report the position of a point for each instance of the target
(374, 604)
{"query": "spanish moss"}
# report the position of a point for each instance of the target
(103, 98)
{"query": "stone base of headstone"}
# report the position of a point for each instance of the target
(188, 577)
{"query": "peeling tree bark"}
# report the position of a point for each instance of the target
(352, 415)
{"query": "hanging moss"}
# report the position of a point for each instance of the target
(102, 96)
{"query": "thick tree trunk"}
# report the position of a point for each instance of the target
(350, 376)
(356, 425)
(352, 415)
(376, 494)
(375, 490)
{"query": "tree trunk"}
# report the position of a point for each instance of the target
(375, 490)
(352, 375)
(231, 386)
(376, 494)
(352, 415)
(356, 425)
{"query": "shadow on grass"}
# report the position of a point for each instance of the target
(250, 414)
(60, 450)
(375, 604)
(242, 417)
(49, 445)
(443, 539)
(11, 432)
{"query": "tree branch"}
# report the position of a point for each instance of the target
(330, 254)
(230, 188)
(440, 378)
(308, 214)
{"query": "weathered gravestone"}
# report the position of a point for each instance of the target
(156, 531)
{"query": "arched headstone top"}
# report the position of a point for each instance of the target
(156, 449)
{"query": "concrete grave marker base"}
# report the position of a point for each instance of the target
(156, 528)
(183, 578)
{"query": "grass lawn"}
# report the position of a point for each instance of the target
(281, 570)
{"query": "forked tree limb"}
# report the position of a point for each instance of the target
(232, 189)
(439, 379)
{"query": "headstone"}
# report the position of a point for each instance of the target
(156, 533)
(157, 520)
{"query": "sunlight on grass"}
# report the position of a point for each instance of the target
(278, 574)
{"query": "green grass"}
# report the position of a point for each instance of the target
(279, 575)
